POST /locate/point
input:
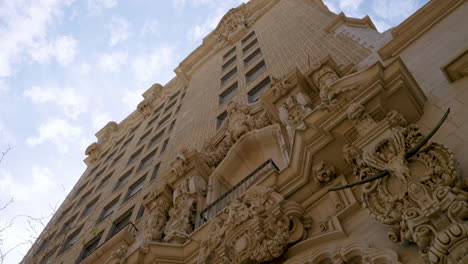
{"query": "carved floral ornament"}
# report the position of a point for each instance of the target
(356, 252)
(238, 122)
(256, 228)
(423, 198)
(236, 18)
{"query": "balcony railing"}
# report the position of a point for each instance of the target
(236, 191)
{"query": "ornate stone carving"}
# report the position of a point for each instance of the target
(323, 172)
(236, 19)
(181, 215)
(118, 256)
(255, 228)
(156, 222)
(93, 151)
(145, 107)
(395, 119)
(361, 119)
(180, 164)
(280, 87)
(422, 198)
(293, 110)
(324, 77)
(105, 133)
(238, 122)
(351, 253)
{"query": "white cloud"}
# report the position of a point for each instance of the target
(95, 6)
(112, 62)
(119, 29)
(132, 98)
(72, 103)
(25, 27)
(41, 182)
(59, 132)
(62, 49)
(149, 66)
(100, 119)
(395, 10)
(150, 27)
(350, 4)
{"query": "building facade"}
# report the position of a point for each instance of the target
(232, 161)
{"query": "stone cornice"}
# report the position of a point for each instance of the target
(418, 24)
(342, 19)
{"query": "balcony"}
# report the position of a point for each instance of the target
(236, 191)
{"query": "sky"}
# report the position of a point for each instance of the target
(67, 67)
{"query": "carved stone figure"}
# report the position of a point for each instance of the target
(181, 215)
(93, 151)
(107, 131)
(253, 229)
(356, 252)
(179, 165)
(323, 172)
(395, 119)
(280, 87)
(156, 222)
(360, 118)
(422, 198)
(118, 256)
(324, 78)
(293, 110)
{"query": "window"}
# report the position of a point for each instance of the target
(147, 160)
(248, 37)
(89, 247)
(105, 180)
(229, 53)
(99, 174)
(70, 241)
(174, 96)
(120, 223)
(142, 138)
(67, 225)
(178, 109)
(117, 159)
(123, 180)
(83, 198)
(109, 209)
(158, 109)
(170, 106)
(110, 156)
(156, 138)
(252, 57)
(229, 63)
(141, 212)
(164, 146)
(81, 189)
(228, 93)
(135, 128)
(134, 156)
(258, 90)
(164, 120)
(226, 78)
(151, 122)
(94, 169)
(126, 142)
(255, 72)
(220, 119)
(64, 214)
(155, 171)
(47, 257)
(172, 125)
(135, 188)
(248, 47)
(89, 207)
(120, 141)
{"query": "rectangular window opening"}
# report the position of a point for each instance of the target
(228, 93)
(220, 119)
(229, 53)
(255, 72)
(249, 46)
(226, 78)
(254, 94)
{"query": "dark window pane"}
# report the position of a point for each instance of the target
(258, 90)
(220, 119)
(255, 72)
(226, 78)
(228, 93)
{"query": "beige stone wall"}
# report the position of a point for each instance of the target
(425, 59)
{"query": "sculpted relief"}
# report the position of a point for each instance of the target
(253, 229)
(238, 122)
(423, 198)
